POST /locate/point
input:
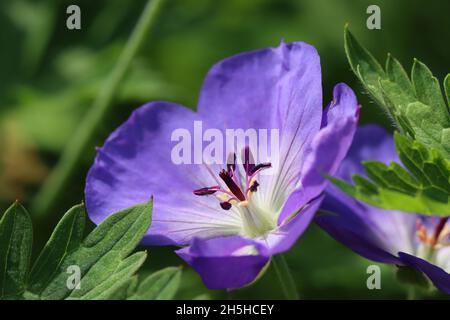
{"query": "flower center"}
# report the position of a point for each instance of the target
(434, 238)
(237, 192)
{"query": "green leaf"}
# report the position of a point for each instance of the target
(105, 267)
(106, 289)
(16, 237)
(423, 186)
(392, 200)
(447, 87)
(364, 65)
(398, 75)
(429, 92)
(125, 290)
(393, 177)
(417, 106)
(161, 285)
(426, 129)
(102, 254)
(432, 170)
(66, 237)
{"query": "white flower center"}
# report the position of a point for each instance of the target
(238, 193)
(433, 241)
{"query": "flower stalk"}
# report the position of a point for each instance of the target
(82, 139)
(285, 277)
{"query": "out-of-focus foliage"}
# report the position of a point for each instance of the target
(50, 76)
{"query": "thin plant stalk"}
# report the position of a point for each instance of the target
(82, 139)
(285, 277)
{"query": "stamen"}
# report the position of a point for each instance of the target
(439, 229)
(249, 162)
(206, 191)
(225, 205)
(234, 188)
(231, 164)
(444, 237)
(421, 231)
(435, 238)
(260, 167)
(254, 186)
(237, 193)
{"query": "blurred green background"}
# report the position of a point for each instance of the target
(50, 76)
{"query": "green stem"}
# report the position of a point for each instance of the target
(411, 295)
(82, 139)
(285, 276)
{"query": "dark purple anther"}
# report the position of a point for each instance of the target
(231, 164)
(206, 191)
(233, 184)
(249, 162)
(254, 186)
(260, 166)
(437, 232)
(234, 188)
(225, 205)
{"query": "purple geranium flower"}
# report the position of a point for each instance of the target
(230, 219)
(420, 242)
